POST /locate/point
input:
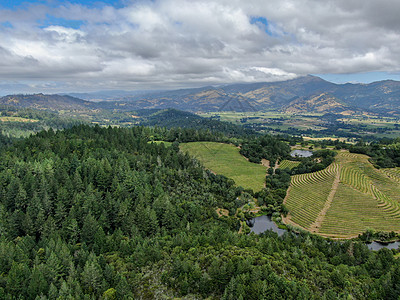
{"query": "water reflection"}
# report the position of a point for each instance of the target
(264, 223)
(301, 153)
(376, 245)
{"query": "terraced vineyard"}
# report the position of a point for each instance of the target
(288, 164)
(393, 173)
(346, 198)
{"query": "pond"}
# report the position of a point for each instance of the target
(301, 153)
(264, 223)
(376, 245)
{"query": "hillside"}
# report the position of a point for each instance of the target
(101, 213)
(345, 199)
(49, 102)
(318, 103)
(171, 118)
(22, 122)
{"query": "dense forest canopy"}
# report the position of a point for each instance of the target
(384, 154)
(90, 212)
(172, 118)
(266, 147)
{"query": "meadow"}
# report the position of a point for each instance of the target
(225, 159)
(345, 199)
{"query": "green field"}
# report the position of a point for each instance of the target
(226, 160)
(345, 199)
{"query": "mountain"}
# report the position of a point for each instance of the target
(203, 99)
(110, 95)
(301, 95)
(309, 94)
(318, 103)
(381, 96)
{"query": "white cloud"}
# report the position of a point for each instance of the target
(172, 43)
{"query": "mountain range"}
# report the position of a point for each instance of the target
(309, 94)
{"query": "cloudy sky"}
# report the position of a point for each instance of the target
(63, 46)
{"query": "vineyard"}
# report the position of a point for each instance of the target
(393, 173)
(288, 164)
(346, 198)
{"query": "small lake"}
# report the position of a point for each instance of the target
(301, 153)
(264, 223)
(376, 245)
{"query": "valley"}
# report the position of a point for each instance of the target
(306, 106)
(199, 150)
(314, 125)
(107, 200)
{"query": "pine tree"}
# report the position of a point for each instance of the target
(92, 276)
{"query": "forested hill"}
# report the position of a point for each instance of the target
(17, 122)
(101, 213)
(173, 118)
(49, 102)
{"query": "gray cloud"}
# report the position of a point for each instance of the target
(177, 43)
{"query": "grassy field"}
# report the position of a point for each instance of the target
(346, 198)
(226, 160)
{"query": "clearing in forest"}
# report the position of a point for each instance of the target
(345, 199)
(225, 159)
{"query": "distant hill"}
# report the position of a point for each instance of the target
(172, 118)
(381, 96)
(318, 103)
(47, 102)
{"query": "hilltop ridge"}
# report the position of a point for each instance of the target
(308, 94)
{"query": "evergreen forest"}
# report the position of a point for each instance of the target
(103, 213)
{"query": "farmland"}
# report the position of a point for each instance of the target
(226, 160)
(346, 198)
(314, 125)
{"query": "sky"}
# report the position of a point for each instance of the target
(55, 46)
